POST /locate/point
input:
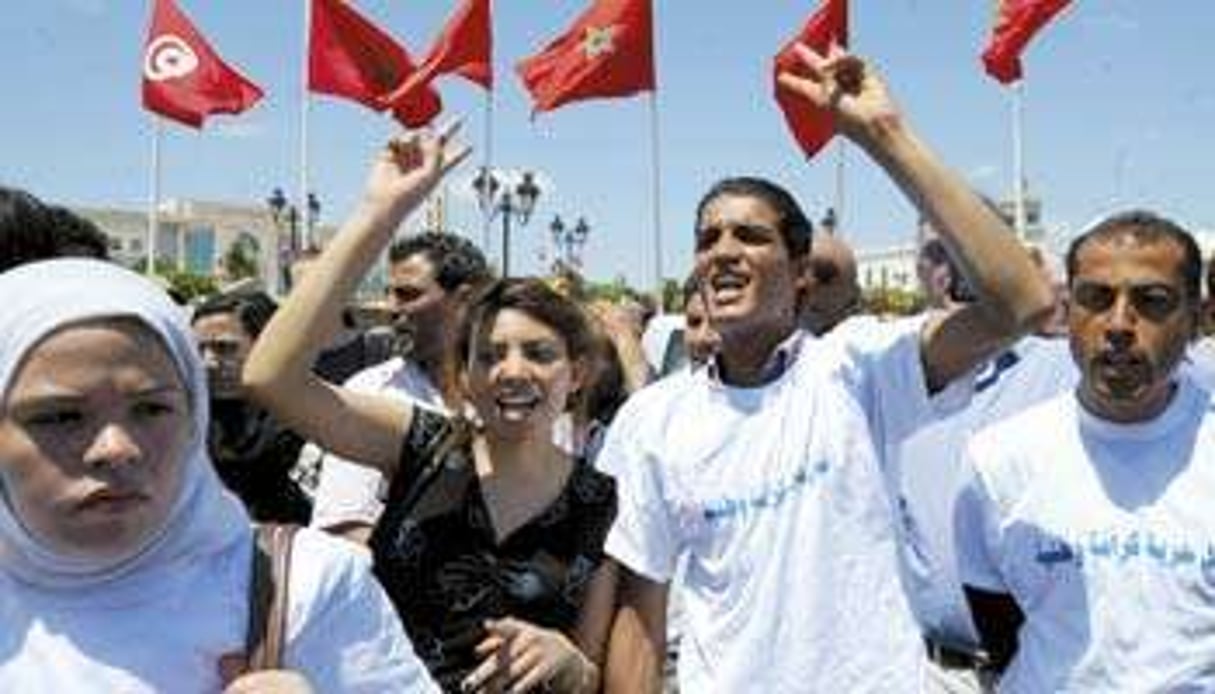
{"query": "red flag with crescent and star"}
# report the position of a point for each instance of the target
(811, 126)
(607, 52)
(1016, 24)
(351, 57)
(183, 78)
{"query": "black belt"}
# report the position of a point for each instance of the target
(950, 658)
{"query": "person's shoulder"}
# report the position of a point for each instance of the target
(1023, 435)
(659, 394)
(868, 334)
(324, 567)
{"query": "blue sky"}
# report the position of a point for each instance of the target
(1118, 107)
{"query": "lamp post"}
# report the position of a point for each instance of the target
(285, 215)
(568, 241)
(511, 204)
(829, 221)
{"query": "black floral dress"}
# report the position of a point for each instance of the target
(437, 556)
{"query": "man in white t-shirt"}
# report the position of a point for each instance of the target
(429, 275)
(761, 470)
(930, 473)
(1086, 537)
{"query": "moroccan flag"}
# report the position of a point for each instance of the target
(352, 58)
(609, 51)
(464, 47)
(183, 78)
(812, 127)
(1015, 26)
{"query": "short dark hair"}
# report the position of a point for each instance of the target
(456, 260)
(795, 227)
(77, 236)
(1145, 227)
(530, 296)
(253, 308)
(691, 287)
(30, 230)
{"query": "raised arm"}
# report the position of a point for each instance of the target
(278, 374)
(1012, 298)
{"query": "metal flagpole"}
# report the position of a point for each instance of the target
(656, 175)
(302, 200)
(153, 199)
(1018, 161)
(487, 213)
(841, 158)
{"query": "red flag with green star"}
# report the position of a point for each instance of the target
(607, 52)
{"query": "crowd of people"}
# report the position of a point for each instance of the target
(512, 489)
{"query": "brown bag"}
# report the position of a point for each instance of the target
(266, 634)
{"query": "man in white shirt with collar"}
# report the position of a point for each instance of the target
(762, 471)
(429, 275)
(1086, 536)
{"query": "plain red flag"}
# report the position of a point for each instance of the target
(609, 51)
(1016, 25)
(183, 78)
(464, 47)
(352, 58)
(812, 127)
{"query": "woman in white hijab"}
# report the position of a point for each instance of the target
(124, 565)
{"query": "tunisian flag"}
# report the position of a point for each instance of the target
(464, 47)
(1016, 25)
(812, 127)
(183, 78)
(352, 58)
(609, 51)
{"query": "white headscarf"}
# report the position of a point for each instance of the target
(37, 299)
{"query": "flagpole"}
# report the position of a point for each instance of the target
(153, 200)
(656, 176)
(302, 201)
(1018, 161)
(487, 213)
(841, 157)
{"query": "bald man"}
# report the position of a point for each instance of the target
(832, 294)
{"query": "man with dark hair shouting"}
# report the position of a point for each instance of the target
(763, 471)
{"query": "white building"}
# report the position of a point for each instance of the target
(196, 236)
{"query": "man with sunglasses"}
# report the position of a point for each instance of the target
(1086, 542)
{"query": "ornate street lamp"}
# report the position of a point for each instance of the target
(514, 204)
(286, 216)
(568, 242)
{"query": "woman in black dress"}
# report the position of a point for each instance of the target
(491, 543)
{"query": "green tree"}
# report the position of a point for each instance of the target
(240, 261)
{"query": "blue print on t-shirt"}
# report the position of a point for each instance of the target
(768, 498)
(1122, 546)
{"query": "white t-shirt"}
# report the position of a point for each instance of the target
(349, 492)
(931, 472)
(167, 631)
(1104, 534)
(774, 497)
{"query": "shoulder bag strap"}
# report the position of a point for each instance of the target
(266, 635)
